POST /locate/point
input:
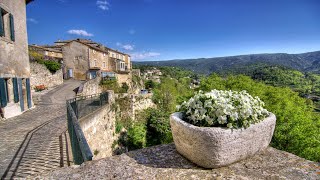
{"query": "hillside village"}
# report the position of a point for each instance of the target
(77, 109)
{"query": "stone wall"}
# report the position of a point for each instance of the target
(135, 103)
(141, 102)
(90, 87)
(124, 78)
(164, 162)
(40, 75)
(99, 129)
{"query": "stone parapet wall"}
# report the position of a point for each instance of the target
(99, 129)
(164, 162)
(40, 75)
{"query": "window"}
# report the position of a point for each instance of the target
(93, 51)
(2, 22)
(104, 64)
(46, 53)
(113, 55)
(6, 24)
(95, 63)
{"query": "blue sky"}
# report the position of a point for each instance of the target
(179, 29)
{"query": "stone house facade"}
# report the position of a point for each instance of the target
(15, 93)
(84, 59)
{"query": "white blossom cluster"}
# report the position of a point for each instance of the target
(230, 109)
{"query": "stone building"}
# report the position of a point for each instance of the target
(84, 59)
(15, 94)
(48, 52)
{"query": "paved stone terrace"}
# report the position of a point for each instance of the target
(35, 142)
(163, 162)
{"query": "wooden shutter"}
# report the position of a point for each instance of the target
(15, 90)
(28, 93)
(12, 27)
(3, 92)
(21, 94)
(1, 24)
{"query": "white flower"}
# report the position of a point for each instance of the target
(224, 108)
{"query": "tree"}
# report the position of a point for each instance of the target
(149, 84)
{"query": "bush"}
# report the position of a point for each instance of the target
(149, 84)
(124, 88)
(119, 126)
(158, 127)
(136, 136)
(52, 66)
(110, 84)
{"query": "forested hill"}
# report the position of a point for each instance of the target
(307, 62)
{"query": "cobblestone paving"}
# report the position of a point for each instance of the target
(35, 142)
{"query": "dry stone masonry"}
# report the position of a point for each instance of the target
(40, 75)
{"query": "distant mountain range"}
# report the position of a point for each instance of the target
(307, 62)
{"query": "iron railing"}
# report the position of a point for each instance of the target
(77, 108)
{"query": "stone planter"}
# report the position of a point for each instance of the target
(213, 147)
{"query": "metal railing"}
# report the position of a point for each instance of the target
(77, 108)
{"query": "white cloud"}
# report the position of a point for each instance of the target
(127, 47)
(132, 31)
(144, 55)
(104, 5)
(32, 20)
(80, 32)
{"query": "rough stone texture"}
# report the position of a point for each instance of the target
(40, 75)
(124, 78)
(76, 57)
(133, 104)
(99, 129)
(14, 59)
(91, 87)
(164, 162)
(212, 147)
(141, 102)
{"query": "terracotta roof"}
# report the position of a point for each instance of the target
(46, 48)
(92, 44)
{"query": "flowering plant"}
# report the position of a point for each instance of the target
(220, 108)
(40, 88)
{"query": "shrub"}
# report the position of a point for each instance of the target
(136, 136)
(52, 65)
(149, 84)
(119, 127)
(158, 128)
(124, 88)
(230, 109)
